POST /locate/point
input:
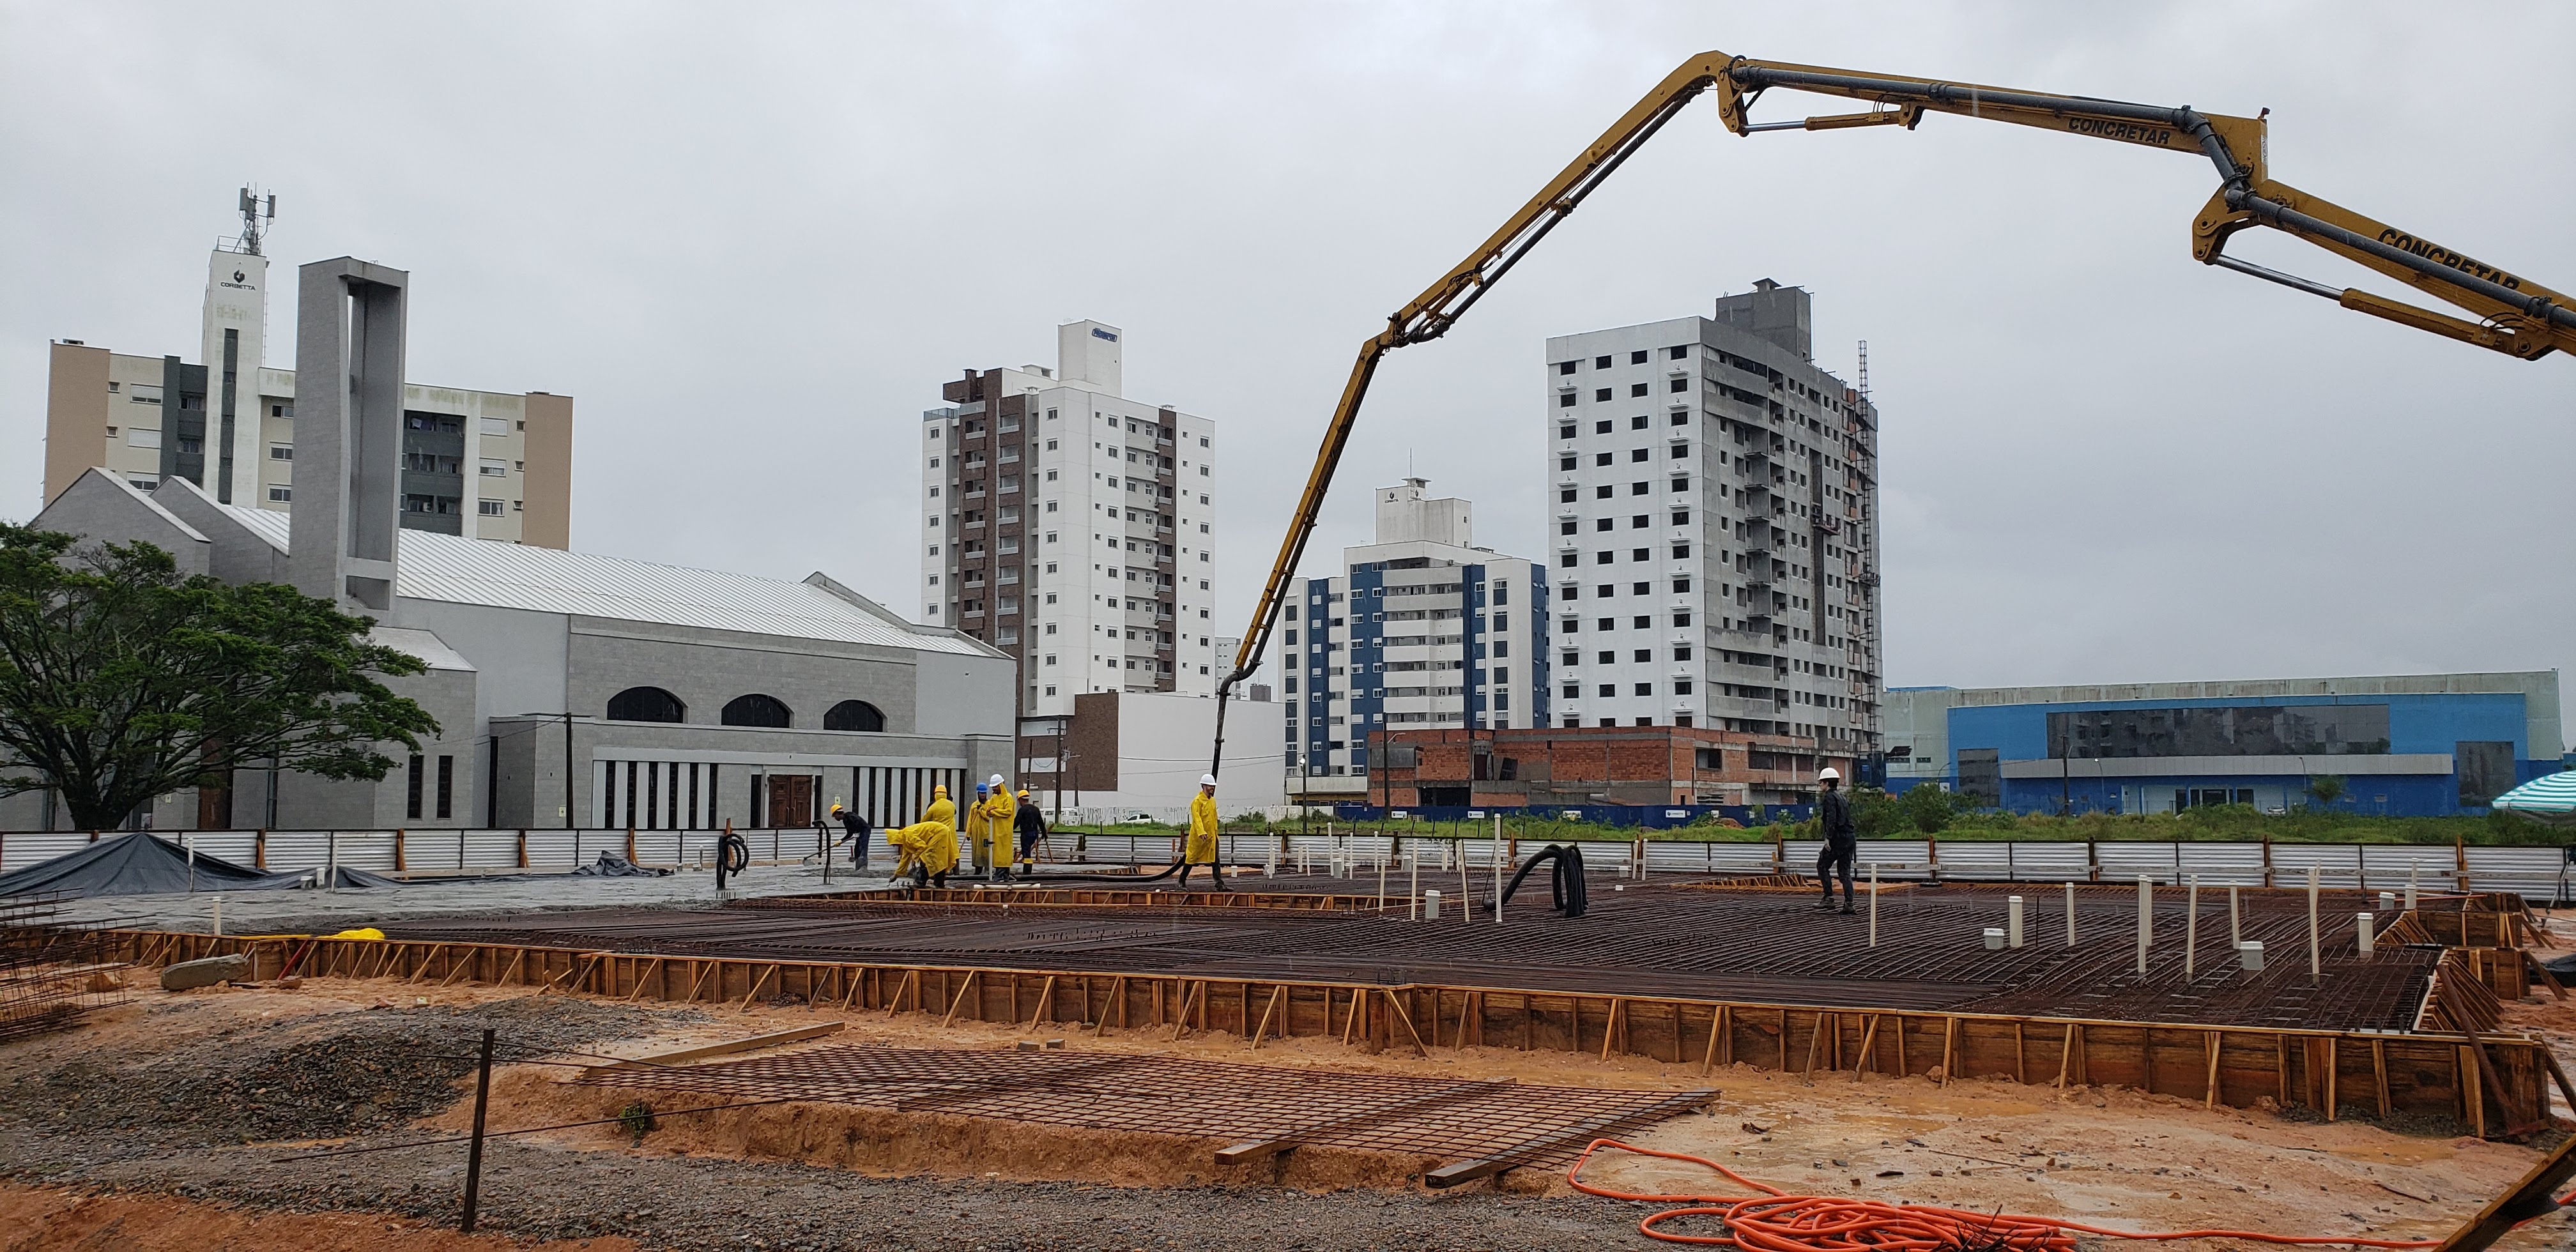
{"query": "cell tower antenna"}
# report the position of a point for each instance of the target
(256, 212)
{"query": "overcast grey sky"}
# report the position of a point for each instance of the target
(753, 240)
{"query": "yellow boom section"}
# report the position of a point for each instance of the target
(2514, 315)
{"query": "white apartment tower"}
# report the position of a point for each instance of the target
(1716, 518)
(481, 464)
(1071, 527)
(1425, 631)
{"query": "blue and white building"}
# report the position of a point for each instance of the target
(2414, 745)
(1425, 631)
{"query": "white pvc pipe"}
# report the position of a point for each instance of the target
(2361, 929)
(2316, 955)
(2235, 920)
(1498, 869)
(2012, 914)
(2070, 915)
(2146, 919)
(2191, 930)
(1873, 904)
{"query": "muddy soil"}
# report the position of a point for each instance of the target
(185, 1100)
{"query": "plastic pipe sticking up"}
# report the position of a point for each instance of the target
(1381, 883)
(2235, 920)
(1466, 888)
(1873, 904)
(2388, 902)
(2012, 918)
(2070, 915)
(219, 915)
(2146, 920)
(1498, 869)
(2191, 929)
(2316, 956)
(2410, 886)
(2361, 931)
(1413, 904)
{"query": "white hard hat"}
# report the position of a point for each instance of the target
(997, 780)
(1207, 780)
(1829, 772)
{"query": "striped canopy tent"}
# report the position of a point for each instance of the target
(2551, 799)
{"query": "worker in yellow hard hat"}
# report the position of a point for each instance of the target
(855, 831)
(1200, 848)
(927, 849)
(988, 827)
(1030, 825)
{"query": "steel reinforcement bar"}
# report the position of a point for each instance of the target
(2489, 1085)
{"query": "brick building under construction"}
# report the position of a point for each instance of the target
(1615, 765)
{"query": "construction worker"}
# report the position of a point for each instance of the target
(855, 833)
(1842, 846)
(988, 829)
(1200, 847)
(927, 849)
(1031, 827)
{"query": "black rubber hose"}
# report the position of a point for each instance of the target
(734, 852)
(1168, 871)
(1565, 886)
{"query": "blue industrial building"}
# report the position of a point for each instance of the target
(2408, 745)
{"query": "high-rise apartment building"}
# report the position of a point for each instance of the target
(1071, 527)
(1716, 528)
(1424, 631)
(481, 464)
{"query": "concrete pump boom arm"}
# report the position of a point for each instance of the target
(2517, 316)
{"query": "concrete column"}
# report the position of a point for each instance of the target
(349, 422)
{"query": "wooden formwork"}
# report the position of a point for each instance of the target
(2489, 1084)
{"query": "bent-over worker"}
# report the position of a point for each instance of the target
(855, 833)
(927, 849)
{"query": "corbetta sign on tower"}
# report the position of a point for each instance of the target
(1097, 333)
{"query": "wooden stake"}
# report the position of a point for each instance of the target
(2212, 1040)
(960, 1000)
(1950, 1046)
(2379, 1073)
(1716, 1030)
(2065, 1056)
(1867, 1038)
(1266, 1011)
(1037, 1016)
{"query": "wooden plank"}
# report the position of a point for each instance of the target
(1868, 1038)
(1950, 1046)
(1276, 995)
(2379, 1074)
(1037, 1015)
(2527, 1199)
(729, 1047)
(1407, 1018)
(962, 991)
(2212, 1041)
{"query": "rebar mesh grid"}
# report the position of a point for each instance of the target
(51, 975)
(1759, 947)
(1494, 1124)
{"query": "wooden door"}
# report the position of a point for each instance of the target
(791, 801)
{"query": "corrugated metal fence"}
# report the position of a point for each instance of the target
(2542, 873)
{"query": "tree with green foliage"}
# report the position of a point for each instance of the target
(2326, 789)
(122, 680)
(1928, 807)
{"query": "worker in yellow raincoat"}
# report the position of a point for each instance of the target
(988, 827)
(927, 849)
(1200, 848)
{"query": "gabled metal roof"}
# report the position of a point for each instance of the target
(456, 570)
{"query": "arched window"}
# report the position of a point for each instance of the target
(854, 715)
(756, 710)
(645, 704)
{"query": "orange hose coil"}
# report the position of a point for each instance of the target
(1775, 1221)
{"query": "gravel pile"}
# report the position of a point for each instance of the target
(700, 1205)
(344, 1074)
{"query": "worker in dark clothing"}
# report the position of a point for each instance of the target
(1030, 825)
(857, 832)
(1842, 846)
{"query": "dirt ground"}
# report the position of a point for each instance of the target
(169, 1119)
